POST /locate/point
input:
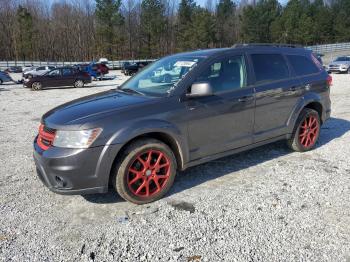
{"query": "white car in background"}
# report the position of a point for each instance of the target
(37, 71)
(340, 65)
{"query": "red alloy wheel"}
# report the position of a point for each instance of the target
(308, 133)
(148, 173)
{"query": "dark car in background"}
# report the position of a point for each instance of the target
(217, 102)
(62, 76)
(5, 77)
(132, 68)
(14, 69)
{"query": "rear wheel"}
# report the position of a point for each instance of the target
(306, 131)
(1, 82)
(36, 86)
(145, 172)
(79, 83)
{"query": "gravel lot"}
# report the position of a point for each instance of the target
(268, 204)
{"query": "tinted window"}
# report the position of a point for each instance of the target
(54, 73)
(66, 72)
(269, 67)
(226, 74)
(41, 68)
(302, 65)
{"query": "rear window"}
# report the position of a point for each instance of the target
(302, 65)
(269, 67)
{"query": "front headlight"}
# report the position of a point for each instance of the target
(76, 139)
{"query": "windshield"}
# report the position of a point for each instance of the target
(160, 77)
(343, 58)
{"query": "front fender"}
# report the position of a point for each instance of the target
(301, 103)
(146, 126)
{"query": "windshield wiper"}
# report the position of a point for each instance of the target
(129, 90)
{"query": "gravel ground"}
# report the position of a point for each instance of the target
(267, 204)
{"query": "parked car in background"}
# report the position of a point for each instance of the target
(28, 68)
(14, 69)
(102, 69)
(340, 65)
(216, 103)
(105, 62)
(63, 76)
(133, 68)
(5, 77)
(124, 65)
(95, 70)
(37, 71)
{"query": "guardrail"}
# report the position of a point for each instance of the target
(111, 64)
(323, 49)
(329, 48)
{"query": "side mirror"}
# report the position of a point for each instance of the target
(200, 89)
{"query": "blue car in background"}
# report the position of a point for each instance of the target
(95, 70)
(5, 77)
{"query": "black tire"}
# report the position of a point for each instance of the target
(36, 86)
(301, 135)
(1, 82)
(121, 173)
(79, 83)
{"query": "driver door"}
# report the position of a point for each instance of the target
(224, 120)
(53, 78)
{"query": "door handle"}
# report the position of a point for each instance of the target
(245, 98)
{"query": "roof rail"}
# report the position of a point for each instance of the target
(267, 44)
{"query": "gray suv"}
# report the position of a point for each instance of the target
(214, 103)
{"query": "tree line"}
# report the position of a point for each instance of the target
(132, 29)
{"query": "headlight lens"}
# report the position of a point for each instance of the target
(76, 139)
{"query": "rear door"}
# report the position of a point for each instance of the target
(68, 77)
(277, 91)
(223, 121)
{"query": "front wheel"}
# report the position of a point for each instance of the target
(36, 86)
(306, 131)
(145, 172)
(79, 83)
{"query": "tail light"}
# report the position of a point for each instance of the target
(46, 137)
(86, 74)
(329, 80)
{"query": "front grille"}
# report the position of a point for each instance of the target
(46, 137)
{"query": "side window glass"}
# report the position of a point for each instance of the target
(269, 67)
(226, 74)
(54, 73)
(302, 65)
(66, 72)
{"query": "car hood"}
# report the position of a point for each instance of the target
(74, 114)
(340, 63)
